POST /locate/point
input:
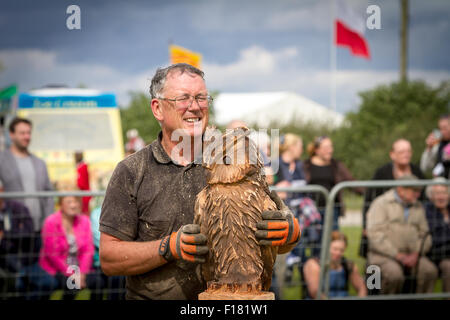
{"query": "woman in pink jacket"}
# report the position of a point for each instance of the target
(67, 251)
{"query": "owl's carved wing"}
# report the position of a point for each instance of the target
(200, 218)
(268, 253)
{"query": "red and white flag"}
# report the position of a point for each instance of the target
(349, 29)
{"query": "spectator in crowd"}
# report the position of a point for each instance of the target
(436, 156)
(23, 172)
(67, 250)
(400, 165)
(97, 280)
(343, 272)
(322, 169)
(82, 180)
(397, 230)
(135, 142)
(291, 174)
(16, 240)
(438, 217)
(262, 140)
(290, 171)
(149, 202)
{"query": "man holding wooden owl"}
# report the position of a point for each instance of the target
(147, 220)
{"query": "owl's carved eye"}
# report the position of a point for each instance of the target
(227, 160)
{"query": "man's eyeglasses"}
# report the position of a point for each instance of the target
(184, 102)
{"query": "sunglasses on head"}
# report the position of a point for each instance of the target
(319, 140)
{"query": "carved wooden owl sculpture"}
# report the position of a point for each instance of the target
(227, 210)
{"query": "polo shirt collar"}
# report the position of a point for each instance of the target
(162, 157)
(158, 151)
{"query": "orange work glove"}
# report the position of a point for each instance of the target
(186, 244)
(278, 227)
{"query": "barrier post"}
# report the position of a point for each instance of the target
(323, 289)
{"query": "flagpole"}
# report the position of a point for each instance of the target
(324, 275)
(333, 57)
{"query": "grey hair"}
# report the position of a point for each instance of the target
(429, 189)
(159, 79)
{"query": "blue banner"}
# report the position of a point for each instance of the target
(27, 101)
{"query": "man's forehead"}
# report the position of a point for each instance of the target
(177, 74)
(178, 82)
(439, 186)
(401, 145)
(444, 122)
(22, 126)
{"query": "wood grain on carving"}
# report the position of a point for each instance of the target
(227, 211)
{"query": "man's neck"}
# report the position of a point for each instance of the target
(182, 152)
(401, 170)
(401, 201)
(19, 152)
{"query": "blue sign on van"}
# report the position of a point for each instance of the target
(27, 101)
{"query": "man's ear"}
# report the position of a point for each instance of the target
(391, 153)
(156, 106)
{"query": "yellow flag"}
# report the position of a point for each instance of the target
(181, 55)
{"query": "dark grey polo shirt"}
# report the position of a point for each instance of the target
(149, 197)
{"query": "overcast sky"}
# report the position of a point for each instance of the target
(247, 46)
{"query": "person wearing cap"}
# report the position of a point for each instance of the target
(399, 238)
(400, 154)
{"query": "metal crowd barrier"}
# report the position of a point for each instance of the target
(330, 197)
(50, 194)
(323, 289)
(9, 279)
(20, 195)
(285, 269)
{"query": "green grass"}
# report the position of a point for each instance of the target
(352, 252)
(353, 201)
(354, 235)
(84, 294)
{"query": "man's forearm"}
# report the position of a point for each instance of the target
(428, 159)
(119, 257)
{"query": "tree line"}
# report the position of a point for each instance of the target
(405, 109)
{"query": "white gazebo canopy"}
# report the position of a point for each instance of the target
(263, 108)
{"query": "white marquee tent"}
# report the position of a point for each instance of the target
(263, 108)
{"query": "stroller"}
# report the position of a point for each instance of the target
(310, 221)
